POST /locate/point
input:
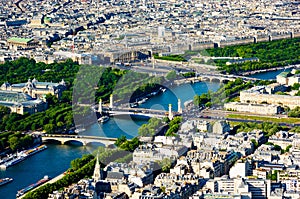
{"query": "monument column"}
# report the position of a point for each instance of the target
(100, 106)
(111, 103)
(170, 112)
(179, 106)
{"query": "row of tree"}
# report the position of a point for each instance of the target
(178, 58)
(174, 126)
(271, 54)
(23, 68)
(15, 141)
(268, 128)
(151, 128)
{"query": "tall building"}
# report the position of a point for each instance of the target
(97, 171)
(161, 31)
(240, 169)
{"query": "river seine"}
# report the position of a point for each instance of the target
(56, 159)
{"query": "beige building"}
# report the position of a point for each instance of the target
(257, 95)
(267, 109)
(288, 78)
(291, 179)
(21, 43)
(220, 127)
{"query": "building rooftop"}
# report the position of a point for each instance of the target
(19, 40)
(11, 96)
(284, 74)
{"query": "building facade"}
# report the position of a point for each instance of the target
(36, 89)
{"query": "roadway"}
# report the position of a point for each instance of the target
(219, 114)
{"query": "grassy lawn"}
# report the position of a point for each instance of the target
(265, 118)
(197, 59)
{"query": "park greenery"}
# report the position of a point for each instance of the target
(133, 85)
(294, 112)
(269, 129)
(189, 74)
(271, 54)
(151, 128)
(271, 119)
(177, 58)
(23, 68)
(174, 125)
(15, 141)
(171, 75)
(127, 145)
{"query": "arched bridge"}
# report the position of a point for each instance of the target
(138, 112)
(214, 78)
(79, 138)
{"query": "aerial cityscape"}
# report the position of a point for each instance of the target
(147, 99)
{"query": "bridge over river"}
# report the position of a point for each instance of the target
(138, 112)
(113, 110)
(214, 78)
(63, 139)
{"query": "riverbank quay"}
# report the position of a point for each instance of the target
(49, 182)
(269, 70)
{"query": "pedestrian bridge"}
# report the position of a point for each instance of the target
(83, 139)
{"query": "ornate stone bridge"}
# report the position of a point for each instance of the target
(112, 110)
(63, 139)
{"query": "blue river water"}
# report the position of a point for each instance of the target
(268, 75)
(56, 159)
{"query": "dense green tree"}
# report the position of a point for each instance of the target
(151, 128)
(80, 162)
(171, 75)
(14, 143)
(271, 54)
(4, 111)
(51, 99)
(173, 126)
(120, 140)
(178, 58)
(294, 112)
(49, 128)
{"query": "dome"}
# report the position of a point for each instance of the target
(29, 84)
(34, 81)
(5, 85)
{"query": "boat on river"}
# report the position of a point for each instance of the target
(35, 150)
(19, 158)
(103, 119)
(142, 101)
(79, 129)
(32, 186)
(4, 181)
